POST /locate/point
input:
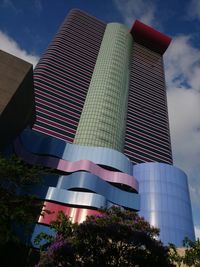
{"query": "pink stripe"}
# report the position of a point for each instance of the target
(56, 99)
(56, 107)
(63, 78)
(52, 55)
(55, 115)
(77, 215)
(139, 126)
(81, 165)
(55, 124)
(52, 133)
(75, 74)
(129, 136)
(58, 85)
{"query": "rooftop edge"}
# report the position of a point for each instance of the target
(149, 37)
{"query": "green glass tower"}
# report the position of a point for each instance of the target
(103, 119)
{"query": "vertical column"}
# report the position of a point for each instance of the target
(103, 119)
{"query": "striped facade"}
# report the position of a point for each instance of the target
(63, 75)
(71, 66)
(101, 120)
(147, 128)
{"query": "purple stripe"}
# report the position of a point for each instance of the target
(139, 126)
(58, 85)
(40, 92)
(68, 70)
(146, 151)
(57, 91)
(52, 133)
(55, 124)
(57, 116)
(148, 144)
(54, 60)
(44, 104)
(147, 117)
(147, 124)
(146, 136)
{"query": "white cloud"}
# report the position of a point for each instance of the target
(183, 79)
(137, 9)
(194, 9)
(197, 232)
(183, 63)
(184, 113)
(8, 45)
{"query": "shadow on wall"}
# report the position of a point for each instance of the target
(17, 107)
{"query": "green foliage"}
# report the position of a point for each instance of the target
(16, 208)
(174, 255)
(191, 256)
(192, 253)
(114, 238)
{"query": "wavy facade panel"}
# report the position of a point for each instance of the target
(85, 182)
(165, 200)
(103, 119)
(85, 185)
(73, 198)
(46, 145)
(93, 183)
(123, 179)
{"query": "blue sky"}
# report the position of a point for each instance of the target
(27, 26)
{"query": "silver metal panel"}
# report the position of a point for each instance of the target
(83, 199)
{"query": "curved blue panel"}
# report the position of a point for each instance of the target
(165, 200)
(83, 199)
(45, 145)
(84, 180)
(74, 166)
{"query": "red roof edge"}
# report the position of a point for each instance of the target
(149, 37)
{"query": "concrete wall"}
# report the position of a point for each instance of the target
(16, 96)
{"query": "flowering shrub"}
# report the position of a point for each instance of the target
(114, 238)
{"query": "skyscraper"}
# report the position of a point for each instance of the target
(101, 119)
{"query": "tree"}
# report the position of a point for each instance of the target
(191, 256)
(18, 208)
(116, 237)
(192, 252)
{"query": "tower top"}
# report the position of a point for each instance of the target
(149, 37)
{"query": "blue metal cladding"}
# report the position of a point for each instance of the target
(41, 144)
(63, 189)
(79, 188)
(84, 180)
(165, 201)
(83, 199)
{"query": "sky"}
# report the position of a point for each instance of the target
(27, 27)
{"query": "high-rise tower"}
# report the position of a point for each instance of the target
(101, 119)
(63, 75)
